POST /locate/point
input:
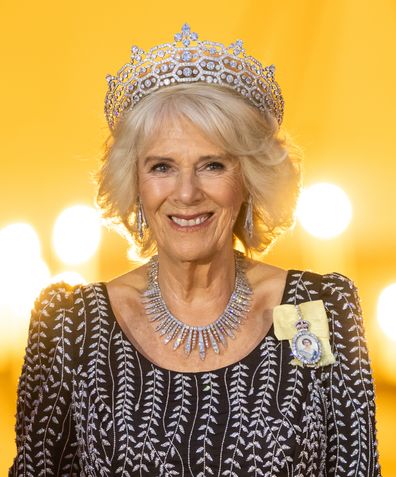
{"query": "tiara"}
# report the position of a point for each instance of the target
(189, 60)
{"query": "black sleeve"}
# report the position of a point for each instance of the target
(351, 425)
(45, 433)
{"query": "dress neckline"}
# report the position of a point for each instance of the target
(244, 360)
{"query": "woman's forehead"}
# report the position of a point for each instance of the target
(175, 132)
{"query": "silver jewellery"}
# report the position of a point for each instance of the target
(305, 345)
(249, 217)
(141, 221)
(187, 60)
(209, 335)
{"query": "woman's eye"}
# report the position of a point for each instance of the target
(160, 167)
(215, 166)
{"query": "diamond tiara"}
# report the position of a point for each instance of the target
(189, 60)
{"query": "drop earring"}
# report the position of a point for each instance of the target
(141, 221)
(248, 225)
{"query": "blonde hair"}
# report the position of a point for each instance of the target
(270, 163)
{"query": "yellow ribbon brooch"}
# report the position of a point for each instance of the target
(307, 328)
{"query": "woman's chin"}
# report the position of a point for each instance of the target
(189, 254)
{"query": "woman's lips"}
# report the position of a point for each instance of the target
(183, 225)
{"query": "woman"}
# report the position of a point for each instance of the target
(188, 364)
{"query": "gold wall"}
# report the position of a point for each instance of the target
(336, 67)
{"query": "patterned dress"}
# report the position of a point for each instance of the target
(90, 404)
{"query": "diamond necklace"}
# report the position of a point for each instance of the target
(209, 335)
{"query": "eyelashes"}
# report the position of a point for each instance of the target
(160, 167)
(219, 165)
(163, 167)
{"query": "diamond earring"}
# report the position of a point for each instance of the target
(141, 221)
(248, 225)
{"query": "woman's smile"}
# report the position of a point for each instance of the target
(198, 223)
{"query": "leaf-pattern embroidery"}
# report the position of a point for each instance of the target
(207, 421)
(260, 414)
(124, 400)
(175, 426)
(89, 404)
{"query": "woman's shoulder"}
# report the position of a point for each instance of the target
(264, 274)
(301, 284)
(336, 290)
(63, 306)
(57, 295)
(339, 295)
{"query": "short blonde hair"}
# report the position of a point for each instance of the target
(270, 163)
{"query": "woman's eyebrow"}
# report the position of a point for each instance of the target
(157, 158)
(211, 157)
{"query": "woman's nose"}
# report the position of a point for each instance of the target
(188, 187)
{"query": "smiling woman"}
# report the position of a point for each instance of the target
(251, 148)
(177, 367)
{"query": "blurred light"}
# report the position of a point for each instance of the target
(386, 311)
(77, 233)
(21, 283)
(19, 242)
(22, 271)
(72, 278)
(324, 210)
(133, 254)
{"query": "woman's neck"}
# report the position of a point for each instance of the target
(197, 291)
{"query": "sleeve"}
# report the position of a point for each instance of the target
(45, 434)
(351, 426)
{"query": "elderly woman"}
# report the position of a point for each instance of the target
(194, 364)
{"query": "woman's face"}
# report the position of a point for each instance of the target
(307, 343)
(183, 174)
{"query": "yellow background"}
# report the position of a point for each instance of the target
(335, 63)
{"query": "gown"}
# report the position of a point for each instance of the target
(90, 404)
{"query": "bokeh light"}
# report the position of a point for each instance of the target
(324, 210)
(19, 242)
(22, 270)
(77, 233)
(133, 254)
(386, 311)
(22, 284)
(72, 278)
(23, 273)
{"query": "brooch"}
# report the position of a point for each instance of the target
(305, 345)
(306, 327)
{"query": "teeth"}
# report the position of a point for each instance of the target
(189, 223)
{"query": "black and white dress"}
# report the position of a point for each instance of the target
(89, 404)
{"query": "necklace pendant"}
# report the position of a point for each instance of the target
(179, 339)
(188, 346)
(171, 333)
(220, 331)
(213, 341)
(201, 344)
